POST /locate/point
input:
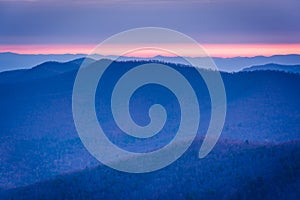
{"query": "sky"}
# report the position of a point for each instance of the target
(224, 27)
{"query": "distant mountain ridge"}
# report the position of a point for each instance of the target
(12, 61)
(235, 64)
(274, 67)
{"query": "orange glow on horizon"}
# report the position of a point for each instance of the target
(216, 50)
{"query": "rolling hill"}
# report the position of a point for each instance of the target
(231, 171)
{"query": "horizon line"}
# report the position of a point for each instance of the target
(212, 50)
(83, 54)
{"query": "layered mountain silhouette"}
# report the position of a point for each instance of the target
(43, 157)
(13, 61)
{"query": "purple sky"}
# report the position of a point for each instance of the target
(208, 21)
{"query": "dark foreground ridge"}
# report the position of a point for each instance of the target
(231, 171)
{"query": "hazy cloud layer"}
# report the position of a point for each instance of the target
(216, 21)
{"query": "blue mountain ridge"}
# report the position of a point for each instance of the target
(274, 67)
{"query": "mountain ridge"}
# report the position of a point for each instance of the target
(37, 126)
(274, 67)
